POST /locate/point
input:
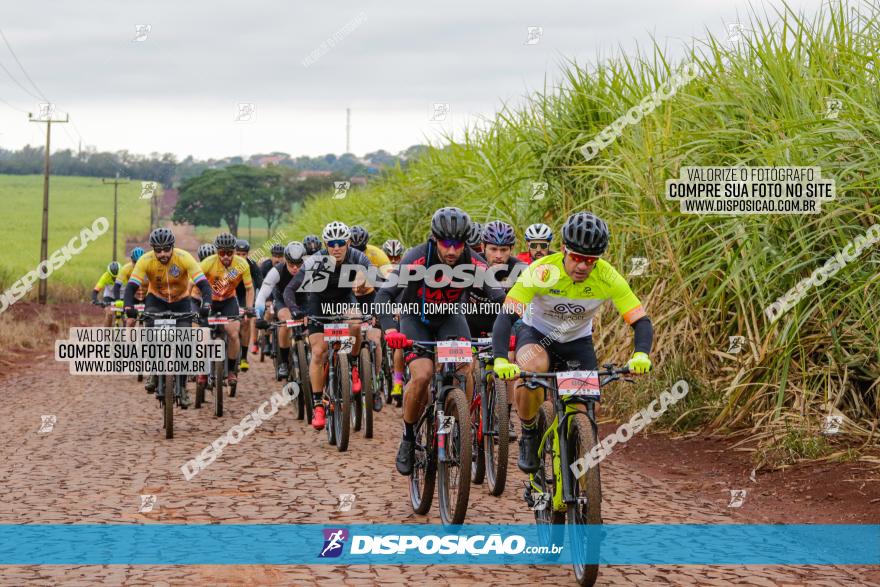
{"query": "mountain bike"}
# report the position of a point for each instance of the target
(168, 382)
(568, 431)
(337, 373)
(388, 376)
(489, 422)
(443, 436)
(219, 369)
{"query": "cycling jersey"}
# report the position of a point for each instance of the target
(105, 282)
(319, 278)
(122, 280)
(168, 282)
(256, 280)
(482, 313)
(273, 286)
(566, 308)
(225, 279)
(526, 256)
(450, 294)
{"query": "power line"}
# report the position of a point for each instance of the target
(14, 107)
(14, 56)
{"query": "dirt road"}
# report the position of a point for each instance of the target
(106, 450)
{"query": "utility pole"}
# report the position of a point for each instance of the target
(348, 130)
(115, 183)
(44, 238)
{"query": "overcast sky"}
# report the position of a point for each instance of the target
(179, 88)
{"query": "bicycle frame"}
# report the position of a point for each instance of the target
(443, 380)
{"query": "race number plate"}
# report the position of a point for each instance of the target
(140, 307)
(454, 351)
(482, 341)
(336, 332)
(165, 322)
(214, 320)
(578, 383)
(292, 323)
(365, 326)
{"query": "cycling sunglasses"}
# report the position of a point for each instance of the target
(162, 249)
(294, 263)
(225, 252)
(452, 244)
(542, 246)
(335, 244)
(578, 258)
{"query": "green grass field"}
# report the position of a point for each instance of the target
(74, 203)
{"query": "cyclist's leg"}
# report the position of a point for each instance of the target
(421, 369)
(284, 336)
(108, 312)
(229, 308)
(531, 355)
(375, 334)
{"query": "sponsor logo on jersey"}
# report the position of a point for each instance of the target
(174, 271)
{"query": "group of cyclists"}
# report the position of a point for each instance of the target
(538, 312)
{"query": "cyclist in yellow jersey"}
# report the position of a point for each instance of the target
(224, 271)
(365, 294)
(169, 272)
(122, 281)
(105, 286)
(558, 296)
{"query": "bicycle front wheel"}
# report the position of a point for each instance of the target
(545, 484)
(342, 409)
(366, 374)
(424, 473)
(302, 377)
(454, 470)
(588, 509)
(495, 438)
(218, 388)
(168, 382)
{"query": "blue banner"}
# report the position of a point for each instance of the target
(373, 544)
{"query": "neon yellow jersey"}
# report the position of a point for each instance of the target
(105, 282)
(378, 258)
(169, 281)
(224, 279)
(558, 305)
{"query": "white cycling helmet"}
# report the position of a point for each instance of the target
(336, 230)
(294, 251)
(539, 232)
(393, 248)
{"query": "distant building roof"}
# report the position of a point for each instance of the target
(314, 173)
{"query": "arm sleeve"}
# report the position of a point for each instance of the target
(205, 288)
(271, 280)
(291, 290)
(247, 276)
(130, 290)
(256, 275)
(643, 335)
(116, 290)
(392, 291)
(193, 269)
(501, 332)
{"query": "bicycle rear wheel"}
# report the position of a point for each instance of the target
(168, 383)
(478, 458)
(588, 509)
(495, 438)
(424, 473)
(366, 373)
(454, 476)
(342, 413)
(302, 377)
(550, 522)
(218, 387)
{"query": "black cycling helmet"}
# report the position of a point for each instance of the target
(312, 244)
(113, 268)
(206, 250)
(242, 245)
(359, 237)
(225, 241)
(475, 235)
(277, 250)
(499, 233)
(162, 237)
(451, 224)
(585, 233)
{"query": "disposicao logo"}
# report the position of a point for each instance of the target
(334, 540)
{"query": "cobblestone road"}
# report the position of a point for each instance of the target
(106, 450)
